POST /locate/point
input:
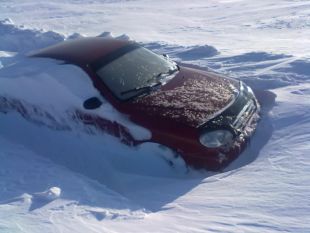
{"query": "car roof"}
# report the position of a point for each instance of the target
(81, 51)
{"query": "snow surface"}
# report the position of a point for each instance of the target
(71, 181)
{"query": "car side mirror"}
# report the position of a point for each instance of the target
(92, 103)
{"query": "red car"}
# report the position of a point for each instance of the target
(202, 116)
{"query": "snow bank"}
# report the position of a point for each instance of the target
(197, 52)
(45, 82)
(37, 80)
(183, 53)
(22, 40)
(57, 89)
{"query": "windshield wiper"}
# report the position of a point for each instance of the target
(147, 88)
(169, 72)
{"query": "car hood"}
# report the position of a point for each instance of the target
(192, 98)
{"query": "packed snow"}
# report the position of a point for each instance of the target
(60, 180)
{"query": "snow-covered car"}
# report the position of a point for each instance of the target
(202, 116)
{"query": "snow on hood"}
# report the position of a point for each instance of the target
(199, 97)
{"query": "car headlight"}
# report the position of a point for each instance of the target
(217, 138)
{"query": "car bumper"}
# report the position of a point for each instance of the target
(218, 158)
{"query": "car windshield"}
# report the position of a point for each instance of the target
(135, 72)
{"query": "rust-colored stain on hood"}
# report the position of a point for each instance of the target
(192, 100)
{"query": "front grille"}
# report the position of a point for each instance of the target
(238, 115)
(245, 115)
